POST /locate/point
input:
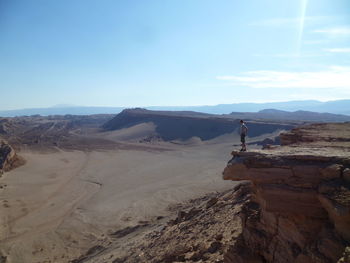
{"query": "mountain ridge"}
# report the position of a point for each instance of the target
(336, 107)
(300, 115)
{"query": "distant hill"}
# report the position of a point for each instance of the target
(185, 125)
(273, 114)
(61, 110)
(335, 107)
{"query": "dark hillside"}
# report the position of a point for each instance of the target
(184, 125)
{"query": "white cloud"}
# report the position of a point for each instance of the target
(338, 50)
(335, 31)
(334, 77)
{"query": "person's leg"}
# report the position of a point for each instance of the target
(244, 147)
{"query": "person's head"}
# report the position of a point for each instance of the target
(241, 121)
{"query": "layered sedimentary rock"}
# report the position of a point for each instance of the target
(321, 134)
(8, 157)
(300, 205)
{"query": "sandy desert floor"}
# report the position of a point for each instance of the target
(58, 204)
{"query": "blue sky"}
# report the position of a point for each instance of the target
(172, 52)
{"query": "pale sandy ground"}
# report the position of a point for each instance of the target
(57, 205)
(58, 202)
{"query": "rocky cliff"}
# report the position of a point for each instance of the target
(300, 205)
(8, 157)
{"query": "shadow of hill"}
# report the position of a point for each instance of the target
(185, 125)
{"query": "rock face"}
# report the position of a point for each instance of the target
(8, 157)
(203, 231)
(300, 209)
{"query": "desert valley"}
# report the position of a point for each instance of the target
(175, 131)
(124, 188)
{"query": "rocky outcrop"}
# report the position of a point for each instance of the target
(328, 134)
(300, 209)
(201, 230)
(8, 157)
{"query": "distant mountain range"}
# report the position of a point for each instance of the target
(272, 114)
(62, 110)
(336, 107)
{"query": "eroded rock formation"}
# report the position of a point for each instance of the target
(300, 206)
(8, 157)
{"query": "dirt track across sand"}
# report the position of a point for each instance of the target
(56, 206)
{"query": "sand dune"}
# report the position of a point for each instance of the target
(133, 133)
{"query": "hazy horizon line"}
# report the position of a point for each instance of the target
(65, 106)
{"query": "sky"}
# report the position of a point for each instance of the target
(172, 52)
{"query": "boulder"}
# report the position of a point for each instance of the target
(331, 172)
(8, 157)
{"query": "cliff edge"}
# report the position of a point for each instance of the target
(300, 202)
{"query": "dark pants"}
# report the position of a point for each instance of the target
(242, 138)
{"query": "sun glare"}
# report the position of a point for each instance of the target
(303, 7)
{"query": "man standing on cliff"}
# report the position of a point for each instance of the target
(243, 131)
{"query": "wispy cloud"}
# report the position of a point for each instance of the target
(291, 21)
(289, 55)
(338, 50)
(334, 77)
(335, 31)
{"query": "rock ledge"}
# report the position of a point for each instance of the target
(301, 197)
